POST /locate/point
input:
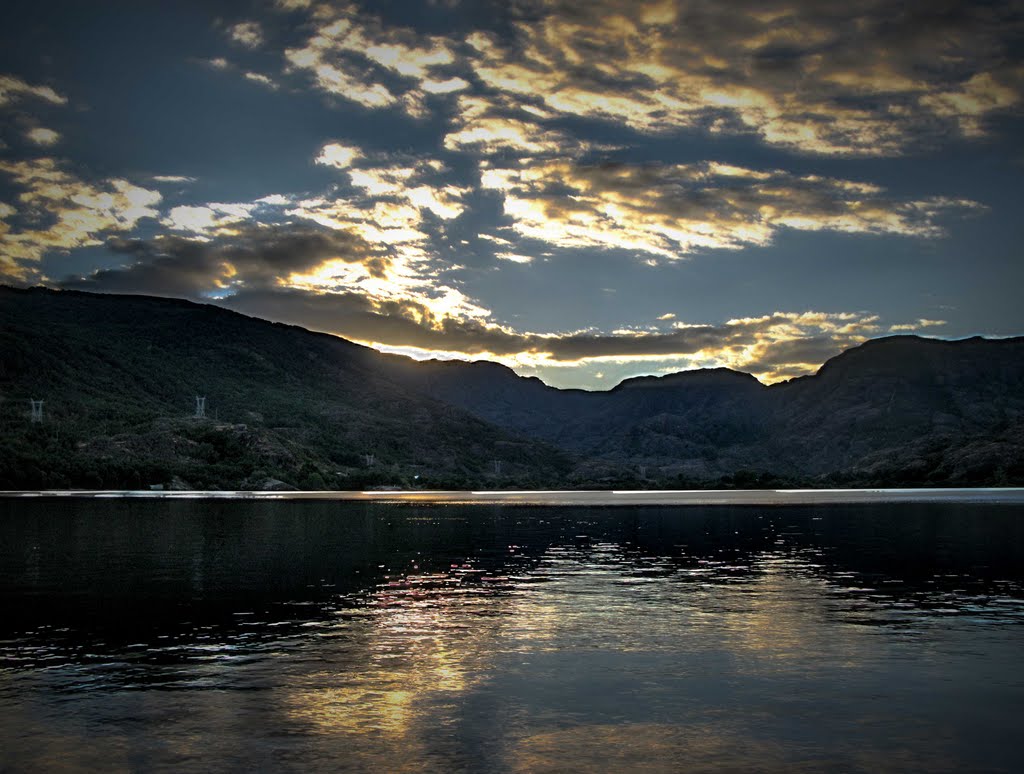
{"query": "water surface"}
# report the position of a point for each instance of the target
(322, 635)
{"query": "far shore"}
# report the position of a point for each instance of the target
(756, 497)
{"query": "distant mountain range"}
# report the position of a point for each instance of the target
(289, 408)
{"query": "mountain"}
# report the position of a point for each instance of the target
(896, 410)
(119, 376)
(287, 407)
(921, 410)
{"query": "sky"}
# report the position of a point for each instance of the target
(582, 190)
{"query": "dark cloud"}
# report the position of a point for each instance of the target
(764, 343)
(397, 323)
(257, 256)
(247, 268)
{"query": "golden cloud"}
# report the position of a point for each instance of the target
(42, 136)
(671, 210)
(207, 219)
(59, 211)
(352, 55)
(248, 34)
(867, 77)
(490, 126)
(393, 188)
(335, 154)
(389, 209)
(12, 88)
(772, 347)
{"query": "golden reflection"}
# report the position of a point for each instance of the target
(782, 616)
(421, 644)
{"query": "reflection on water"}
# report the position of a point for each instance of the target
(308, 636)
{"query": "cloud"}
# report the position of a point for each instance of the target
(13, 88)
(56, 210)
(254, 257)
(865, 77)
(490, 126)
(43, 136)
(335, 154)
(261, 79)
(207, 219)
(352, 55)
(373, 247)
(173, 179)
(335, 281)
(414, 183)
(673, 210)
(916, 326)
(514, 257)
(248, 34)
(217, 63)
(772, 347)
(446, 86)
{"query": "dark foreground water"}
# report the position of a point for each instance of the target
(295, 636)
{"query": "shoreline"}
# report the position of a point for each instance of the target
(757, 497)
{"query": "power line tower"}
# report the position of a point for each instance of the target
(37, 410)
(370, 459)
(200, 407)
(497, 467)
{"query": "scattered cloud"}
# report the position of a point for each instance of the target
(916, 326)
(334, 280)
(867, 77)
(514, 257)
(334, 154)
(410, 184)
(43, 136)
(13, 88)
(673, 210)
(248, 34)
(173, 179)
(487, 126)
(213, 218)
(57, 210)
(772, 347)
(354, 56)
(521, 117)
(261, 79)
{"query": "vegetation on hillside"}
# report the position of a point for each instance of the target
(286, 408)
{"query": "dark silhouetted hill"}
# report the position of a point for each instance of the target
(286, 407)
(901, 410)
(119, 376)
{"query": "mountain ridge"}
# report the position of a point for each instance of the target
(898, 409)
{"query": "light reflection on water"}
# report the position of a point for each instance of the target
(191, 636)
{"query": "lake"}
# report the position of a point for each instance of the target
(530, 632)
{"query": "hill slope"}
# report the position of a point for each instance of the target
(897, 410)
(119, 375)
